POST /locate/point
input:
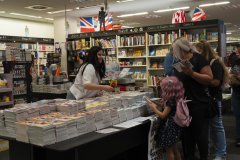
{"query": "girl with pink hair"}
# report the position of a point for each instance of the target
(169, 132)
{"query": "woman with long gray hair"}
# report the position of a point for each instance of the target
(195, 75)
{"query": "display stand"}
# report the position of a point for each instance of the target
(125, 144)
(6, 91)
(18, 60)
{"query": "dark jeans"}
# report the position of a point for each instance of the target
(197, 133)
(236, 111)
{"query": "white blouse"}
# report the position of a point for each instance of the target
(88, 76)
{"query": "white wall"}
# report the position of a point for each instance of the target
(16, 27)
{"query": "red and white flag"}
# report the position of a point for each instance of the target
(179, 17)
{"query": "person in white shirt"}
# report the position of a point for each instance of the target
(87, 81)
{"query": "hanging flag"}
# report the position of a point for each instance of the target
(86, 24)
(179, 17)
(108, 22)
(198, 14)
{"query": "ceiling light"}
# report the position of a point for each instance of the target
(87, 7)
(171, 9)
(213, 4)
(228, 33)
(51, 19)
(2, 12)
(25, 15)
(60, 11)
(77, 8)
(133, 14)
(124, 1)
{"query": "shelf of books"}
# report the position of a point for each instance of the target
(108, 43)
(143, 49)
(131, 53)
(158, 44)
(213, 31)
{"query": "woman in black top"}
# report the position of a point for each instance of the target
(195, 78)
(220, 76)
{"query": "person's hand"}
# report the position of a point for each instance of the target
(108, 88)
(152, 105)
(187, 70)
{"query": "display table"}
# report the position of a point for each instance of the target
(130, 143)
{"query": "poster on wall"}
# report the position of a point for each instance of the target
(91, 24)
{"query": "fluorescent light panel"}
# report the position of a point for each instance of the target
(171, 9)
(213, 4)
(51, 19)
(133, 14)
(2, 12)
(228, 33)
(60, 11)
(87, 7)
(124, 1)
(25, 15)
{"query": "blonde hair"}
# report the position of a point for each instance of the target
(209, 54)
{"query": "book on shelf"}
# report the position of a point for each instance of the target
(131, 40)
(137, 53)
(161, 52)
(162, 38)
(152, 51)
(153, 80)
(139, 74)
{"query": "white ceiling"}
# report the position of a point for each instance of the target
(229, 12)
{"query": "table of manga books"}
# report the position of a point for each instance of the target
(125, 144)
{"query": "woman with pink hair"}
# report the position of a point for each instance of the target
(169, 132)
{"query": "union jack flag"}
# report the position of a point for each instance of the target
(198, 14)
(86, 24)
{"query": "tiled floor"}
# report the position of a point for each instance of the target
(229, 123)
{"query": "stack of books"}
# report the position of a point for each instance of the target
(41, 133)
(13, 115)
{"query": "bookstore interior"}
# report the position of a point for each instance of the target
(51, 109)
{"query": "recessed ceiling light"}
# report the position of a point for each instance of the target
(77, 8)
(2, 12)
(25, 15)
(38, 7)
(60, 11)
(228, 33)
(133, 14)
(171, 9)
(124, 1)
(213, 4)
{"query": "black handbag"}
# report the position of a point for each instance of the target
(212, 107)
